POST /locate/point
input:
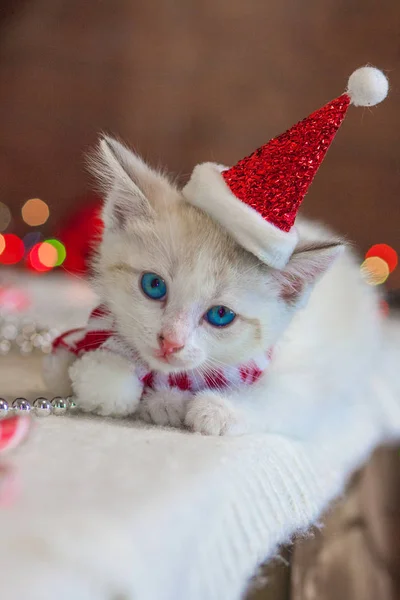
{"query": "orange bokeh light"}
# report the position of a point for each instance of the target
(2, 243)
(35, 212)
(375, 270)
(47, 255)
(386, 253)
(34, 262)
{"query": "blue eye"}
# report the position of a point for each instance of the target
(153, 286)
(220, 316)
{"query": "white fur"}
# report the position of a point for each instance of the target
(165, 408)
(106, 384)
(318, 314)
(367, 86)
(207, 190)
(212, 413)
(55, 372)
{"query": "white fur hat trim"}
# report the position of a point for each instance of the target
(207, 190)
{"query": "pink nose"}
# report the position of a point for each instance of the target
(169, 346)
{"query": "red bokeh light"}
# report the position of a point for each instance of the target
(13, 251)
(386, 253)
(33, 261)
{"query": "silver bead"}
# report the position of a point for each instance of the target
(21, 405)
(59, 405)
(42, 407)
(3, 408)
(71, 403)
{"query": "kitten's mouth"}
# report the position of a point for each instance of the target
(169, 363)
(164, 358)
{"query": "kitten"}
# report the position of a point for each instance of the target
(180, 295)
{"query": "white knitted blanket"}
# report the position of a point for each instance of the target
(115, 510)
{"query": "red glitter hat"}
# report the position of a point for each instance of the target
(257, 199)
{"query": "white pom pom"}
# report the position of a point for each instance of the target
(367, 86)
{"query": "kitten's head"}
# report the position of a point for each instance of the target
(184, 294)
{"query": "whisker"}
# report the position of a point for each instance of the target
(232, 384)
(130, 315)
(194, 374)
(79, 277)
(211, 376)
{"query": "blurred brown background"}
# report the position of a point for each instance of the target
(190, 80)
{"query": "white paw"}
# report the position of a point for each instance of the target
(106, 384)
(55, 372)
(166, 407)
(212, 414)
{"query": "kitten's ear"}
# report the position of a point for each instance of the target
(306, 266)
(129, 184)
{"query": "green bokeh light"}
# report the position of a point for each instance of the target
(61, 251)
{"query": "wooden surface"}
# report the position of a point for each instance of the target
(190, 81)
(356, 554)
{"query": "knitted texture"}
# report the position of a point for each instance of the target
(113, 508)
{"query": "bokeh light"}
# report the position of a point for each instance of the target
(2, 243)
(47, 255)
(5, 216)
(13, 250)
(386, 253)
(33, 261)
(30, 239)
(61, 251)
(35, 212)
(375, 270)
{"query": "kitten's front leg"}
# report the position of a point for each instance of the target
(216, 413)
(106, 384)
(165, 407)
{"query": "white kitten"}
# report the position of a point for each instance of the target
(320, 319)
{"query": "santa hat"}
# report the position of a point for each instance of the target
(257, 199)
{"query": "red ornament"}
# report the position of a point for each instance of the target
(82, 234)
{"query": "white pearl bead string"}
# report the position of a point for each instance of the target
(41, 407)
(24, 335)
